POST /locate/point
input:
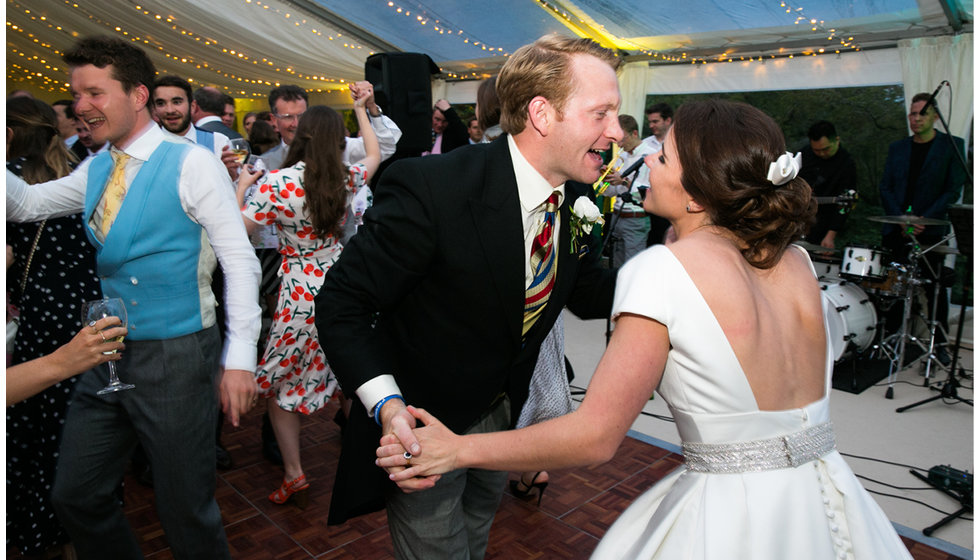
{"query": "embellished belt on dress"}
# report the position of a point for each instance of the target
(782, 452)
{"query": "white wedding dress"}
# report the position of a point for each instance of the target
(734, 499)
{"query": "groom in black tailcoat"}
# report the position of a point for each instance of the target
(426, 305)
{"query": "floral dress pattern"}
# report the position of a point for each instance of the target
(293, 368)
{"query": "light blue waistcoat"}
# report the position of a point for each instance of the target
(152, 256)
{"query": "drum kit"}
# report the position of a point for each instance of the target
(861, 284)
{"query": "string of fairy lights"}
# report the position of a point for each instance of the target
(243, 66)
(835, 47)
(430, 19)
(224, 56)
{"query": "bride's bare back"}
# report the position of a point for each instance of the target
(772, 318)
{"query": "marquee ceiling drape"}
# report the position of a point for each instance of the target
(246, 47)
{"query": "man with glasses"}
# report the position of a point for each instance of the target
(288, 103)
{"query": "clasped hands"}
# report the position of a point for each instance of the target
(414, 457)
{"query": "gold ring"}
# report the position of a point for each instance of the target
(408, 458)
(103, 337)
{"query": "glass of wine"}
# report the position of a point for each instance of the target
(239, 147)
(99, 309)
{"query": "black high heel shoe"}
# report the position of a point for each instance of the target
(523, 491)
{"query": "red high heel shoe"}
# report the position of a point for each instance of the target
(297, 490)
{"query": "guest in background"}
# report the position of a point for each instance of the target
(208, 108)
(630, 223)
(228, 115)
(488, 109)
(85, 146)
(262, 137)
(474, 130)
(66, 120)
(307, 200)
(54, 272)
(247, 121)
(448, 130)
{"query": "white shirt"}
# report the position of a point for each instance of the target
(533, 190)
(205, 198)
(641, 177)
(653, 143)
(220, 140)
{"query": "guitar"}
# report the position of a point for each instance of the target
(846, 201)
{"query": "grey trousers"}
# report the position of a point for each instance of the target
(629, 237)
(451, 520)
(172, 413)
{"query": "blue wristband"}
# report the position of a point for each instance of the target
(377, 407)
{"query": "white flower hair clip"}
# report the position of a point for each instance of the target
(785, 169)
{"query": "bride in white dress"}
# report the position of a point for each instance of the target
(727, 324)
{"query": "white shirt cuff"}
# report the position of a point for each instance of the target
(239, 354)
(371, 392)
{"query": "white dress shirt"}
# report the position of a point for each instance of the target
(641, 177)
(205, 198)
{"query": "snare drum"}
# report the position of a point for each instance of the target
(862, 262)
(851, 317)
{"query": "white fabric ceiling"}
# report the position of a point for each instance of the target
(246, 47)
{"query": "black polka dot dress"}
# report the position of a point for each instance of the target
(62, 275)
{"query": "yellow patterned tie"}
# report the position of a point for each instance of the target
(115, 191)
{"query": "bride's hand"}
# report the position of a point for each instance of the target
(439, 446)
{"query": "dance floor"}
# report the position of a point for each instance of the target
(578, 507)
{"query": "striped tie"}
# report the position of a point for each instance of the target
(115, 191)
(542, 266)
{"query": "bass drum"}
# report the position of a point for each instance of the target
(851, 317)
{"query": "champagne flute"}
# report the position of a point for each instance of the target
(92, 311)
(239, 147)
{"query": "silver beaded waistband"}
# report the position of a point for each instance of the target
(770, 454)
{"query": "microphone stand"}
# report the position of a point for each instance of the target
(627, 197)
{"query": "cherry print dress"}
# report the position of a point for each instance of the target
(293, 368)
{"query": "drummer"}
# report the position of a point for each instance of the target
(922, 177)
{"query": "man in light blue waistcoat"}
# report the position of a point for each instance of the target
(155, 252)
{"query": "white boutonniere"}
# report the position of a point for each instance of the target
(585, 215)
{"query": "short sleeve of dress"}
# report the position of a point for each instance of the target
(261, 208)
(644, 285)
(357, 177)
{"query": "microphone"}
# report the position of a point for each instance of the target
(932, 98)
(632, 168)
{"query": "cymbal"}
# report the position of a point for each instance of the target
(909, 220)
(815, 248)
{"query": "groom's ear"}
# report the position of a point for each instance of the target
(540, 115)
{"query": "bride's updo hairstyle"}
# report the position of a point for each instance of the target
(725, 150)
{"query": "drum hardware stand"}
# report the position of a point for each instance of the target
(947, 391)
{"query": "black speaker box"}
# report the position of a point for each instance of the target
(403, 89)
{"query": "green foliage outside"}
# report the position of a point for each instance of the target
(867, 119)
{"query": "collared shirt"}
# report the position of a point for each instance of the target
(641, 177)
(533, 190)
(205, 198)
(207, 119)
(653, 143)
(220, 140)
